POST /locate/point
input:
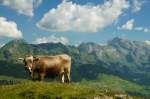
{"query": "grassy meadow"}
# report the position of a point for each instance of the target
(106, 88)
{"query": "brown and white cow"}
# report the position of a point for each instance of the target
(50, 66)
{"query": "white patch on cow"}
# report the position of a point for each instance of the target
(29, 68)
(29, 58)
(63, 79)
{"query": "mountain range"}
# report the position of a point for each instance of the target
(121, 57)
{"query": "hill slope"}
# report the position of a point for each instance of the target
(43, 90)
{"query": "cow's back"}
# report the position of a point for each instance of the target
(54, 60)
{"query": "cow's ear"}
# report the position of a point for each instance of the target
(36, 59)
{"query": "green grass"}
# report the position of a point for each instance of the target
(46, 90)
(116, 85)
(107, 86)
(6, 78)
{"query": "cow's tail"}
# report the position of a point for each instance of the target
(69, 69)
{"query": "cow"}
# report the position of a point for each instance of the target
(50, 66)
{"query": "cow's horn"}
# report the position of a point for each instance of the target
(20, 58)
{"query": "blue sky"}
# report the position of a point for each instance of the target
(74, 21)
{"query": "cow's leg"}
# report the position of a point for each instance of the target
(33, 75)
(41, 76)
(62, 79)
(67, 72)
(68, 77)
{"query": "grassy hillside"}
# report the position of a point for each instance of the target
(116, 84)
(107, 87)
(43, 90)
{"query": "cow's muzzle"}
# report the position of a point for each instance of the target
(29, 69)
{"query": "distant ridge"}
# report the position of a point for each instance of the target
(122, 57)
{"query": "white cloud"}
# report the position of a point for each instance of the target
(137, 5)
(147, 42)
(9, 29)
(69, 16)
(52, 39)
(25, 7)
(129, 25)
(146, 30)
(1, 45)
(139, 28)
(36, 3)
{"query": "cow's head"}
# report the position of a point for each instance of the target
(28, 62)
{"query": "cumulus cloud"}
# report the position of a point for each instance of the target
(36, 3)
(25, 7)
(147, 42)
(128, 25)
(52, 39)
(9, 29)
(69, 16)
(147, 30)
(137, 5)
